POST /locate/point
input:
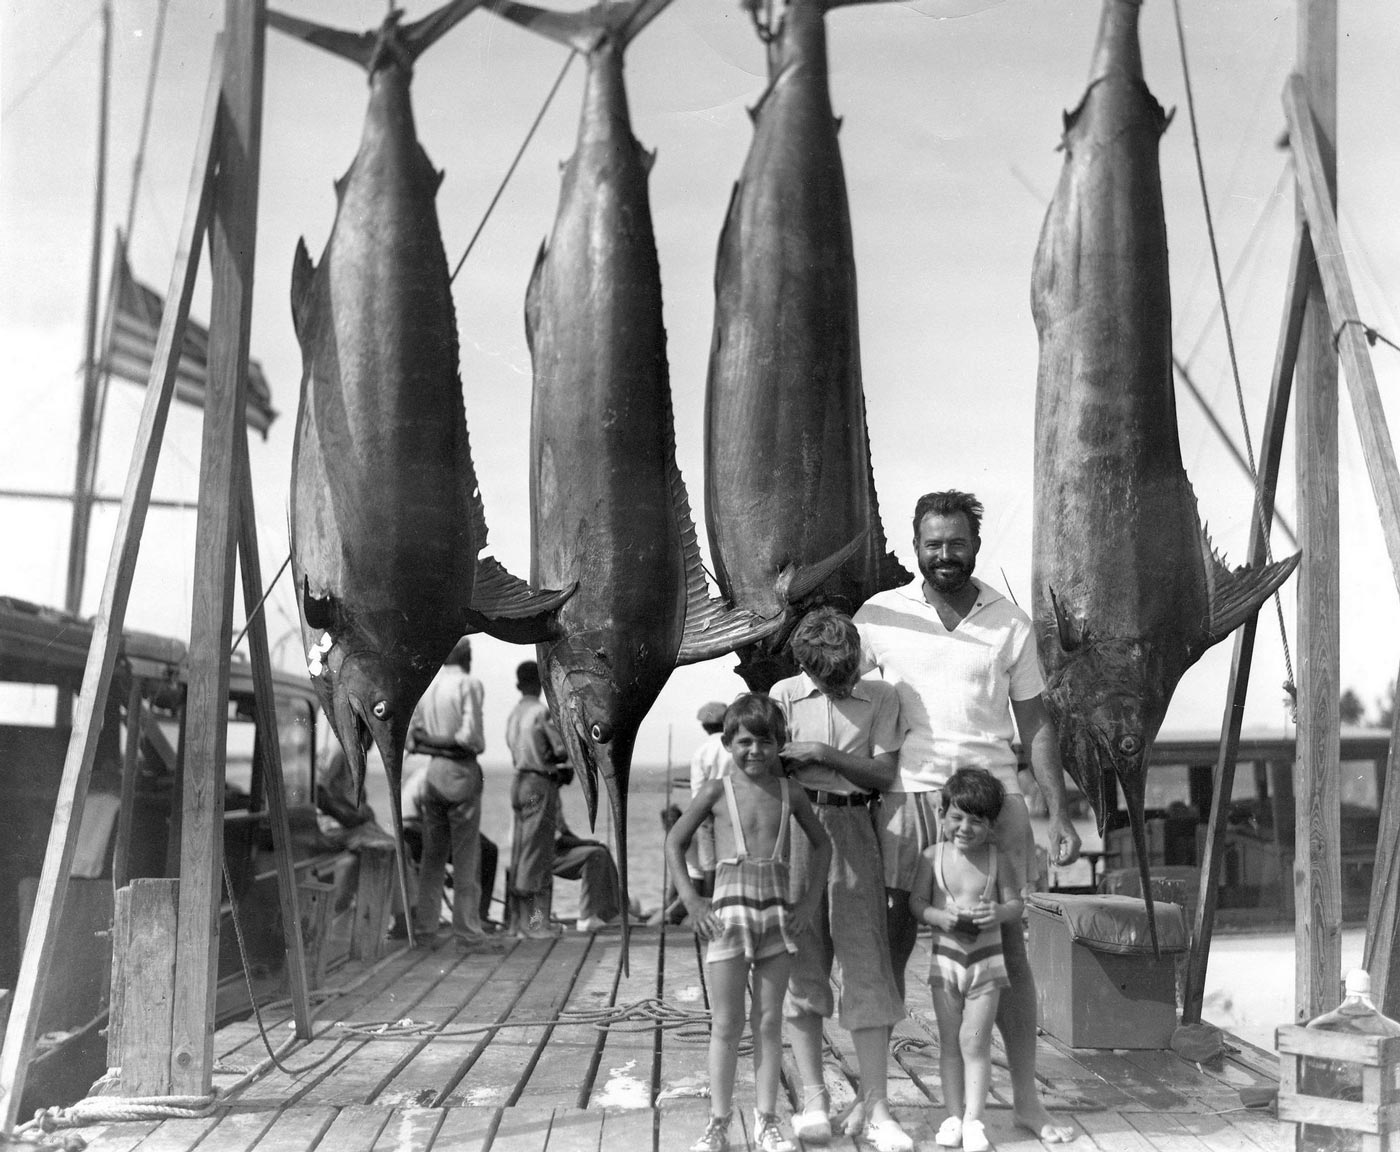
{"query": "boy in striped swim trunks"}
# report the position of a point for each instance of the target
(965, 890)
(748, 922)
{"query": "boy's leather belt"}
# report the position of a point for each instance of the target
(840, 799)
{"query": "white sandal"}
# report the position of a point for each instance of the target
(974, 1136)
(950, 1132)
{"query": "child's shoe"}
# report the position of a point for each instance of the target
(888, 1136)
(715, 1137)
(812, 1126)
(950, 1133)
(974, 1136)
(767, 1136)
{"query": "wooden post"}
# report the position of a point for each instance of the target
(1381, 957)
(107, 627)
(373, 900)
(232, 236)
(1275, 425)
(143, 967)
(121, 853)
(1317, 884)
(269, 741)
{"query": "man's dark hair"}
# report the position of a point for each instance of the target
(826, 645)
(527, 677)
(976, 791)
(758, 714)
(461, 654)
(949, 503)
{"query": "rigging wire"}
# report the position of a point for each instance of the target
(140, 160)
(558, 80)
(13, 105)
(1290, 684)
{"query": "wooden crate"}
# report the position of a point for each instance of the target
(1374, 1120)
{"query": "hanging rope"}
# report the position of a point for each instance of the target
(1289, 685)
(511, 170)
(13, 105)
(253, 615)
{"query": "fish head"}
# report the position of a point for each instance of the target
(371, 695)
(600, 730)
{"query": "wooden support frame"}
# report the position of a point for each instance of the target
(1275, 426)
(107, 627)
(233, 229)
(1381, 958)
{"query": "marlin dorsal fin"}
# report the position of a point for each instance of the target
(1234, 595)
(303, 276)
(506, 607)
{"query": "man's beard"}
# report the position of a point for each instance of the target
(951, 579)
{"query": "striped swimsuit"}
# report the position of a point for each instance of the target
(969, 966)
(751, 894)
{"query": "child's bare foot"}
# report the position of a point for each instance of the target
(1045, 1127)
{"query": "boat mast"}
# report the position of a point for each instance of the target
(87, 423)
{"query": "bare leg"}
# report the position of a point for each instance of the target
(948, 1007)
(728, 980)
(975, 1042)
(770, 981)
(1016, 1021)
(872, 1058)
(806, 1033)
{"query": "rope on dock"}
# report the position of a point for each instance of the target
(688, 1024)
(111, 1109)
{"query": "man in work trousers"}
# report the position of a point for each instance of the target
(446, 726)
(963, 659)
(543, 846)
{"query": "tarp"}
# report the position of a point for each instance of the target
(1115, 923)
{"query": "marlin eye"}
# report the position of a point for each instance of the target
(381, 709)
(1129, 745)
(601, 733)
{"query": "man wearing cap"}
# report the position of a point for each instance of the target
(710, 762)
(446, 726)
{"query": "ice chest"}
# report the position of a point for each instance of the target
(1098, 985)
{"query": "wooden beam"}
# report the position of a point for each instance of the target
(1317, 887)
(269, 743)
(121, 853)
(107, 626)
(1381, 958)
(1346, 333)
(232, 228)
(1223, 784)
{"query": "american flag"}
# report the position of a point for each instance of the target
(135, 325)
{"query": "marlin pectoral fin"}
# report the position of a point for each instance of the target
(1233, 596)
(796, 581)
(506, 607)
(1070, 629)
(303, 276)
(356, 46)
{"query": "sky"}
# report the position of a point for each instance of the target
(951, 117)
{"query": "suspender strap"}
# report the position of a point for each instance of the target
(741, 849)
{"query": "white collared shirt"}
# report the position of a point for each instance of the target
(955, 687)
(865, 723)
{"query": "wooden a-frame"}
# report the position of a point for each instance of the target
(222, 202)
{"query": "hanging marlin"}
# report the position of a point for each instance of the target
(1128, 592)
(608, 506)
(386, 517)
(789, 491)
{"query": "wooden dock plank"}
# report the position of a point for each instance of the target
(634, 1130)
(1165, 1133)
(465, 1129)
(1146, 1089)
(524, 1128)
(627, 1069)
(681, 1120)
(177, 1135)
(237, 1131)
(564, 1072)
(419, 1082)
(576, 1130)
(684, 1073)
(121, 1137)
(297, 1129)
(407, 1130)
(351, 1078)
(1213, 1132)
(1111, 1132)
(507, 1063)
(355, 1128)
(446, 1063)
